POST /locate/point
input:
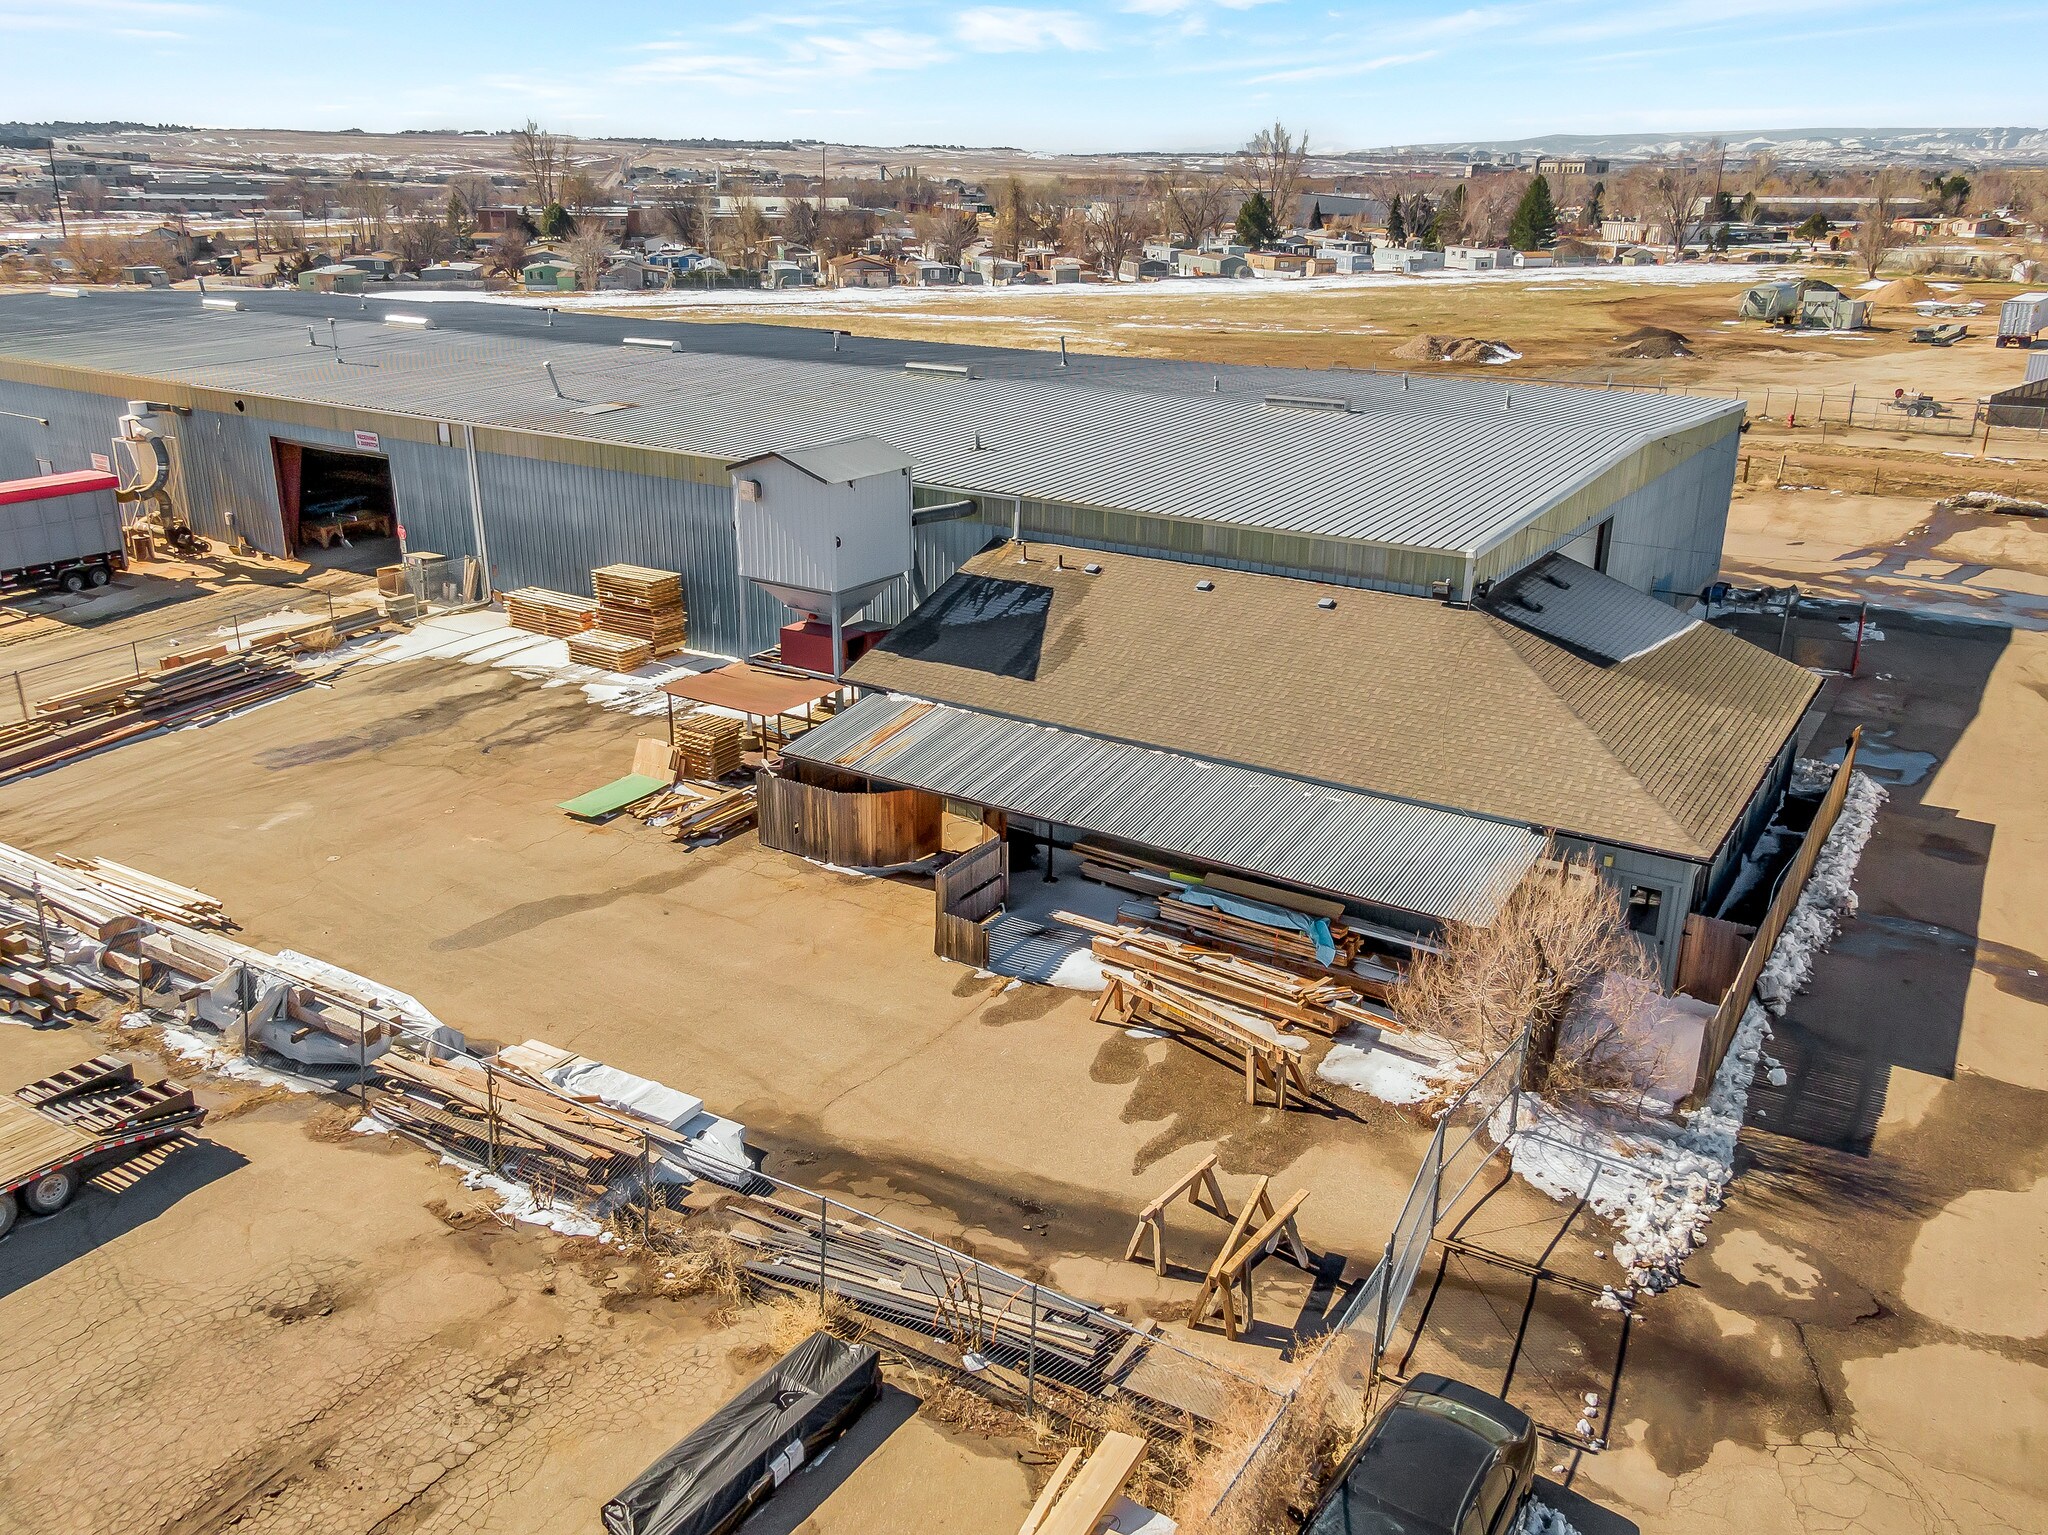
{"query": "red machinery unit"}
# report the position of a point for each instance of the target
(809, 644)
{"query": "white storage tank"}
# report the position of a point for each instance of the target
(824, 529)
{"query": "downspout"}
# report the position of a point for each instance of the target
(476, 511)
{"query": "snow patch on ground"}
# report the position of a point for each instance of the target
(206, 1051)
(1363, 1062)
(1661, 1183)
(522, 1204)
(1079, 971)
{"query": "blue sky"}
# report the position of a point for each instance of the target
(1172, 74)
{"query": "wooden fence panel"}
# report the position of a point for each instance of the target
(856, 830)
(967, 892)
(1710, 957)
(1720, 1030)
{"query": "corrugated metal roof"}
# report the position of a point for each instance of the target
(1411, 858)
(1576, 605)
(1432, 463)
(837, 463)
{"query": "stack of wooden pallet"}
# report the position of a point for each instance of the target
(711, 744)
(135, 705)
(1318, 1003)
(554, 1144)
(555, 614)
(609, 652)
(647, 604)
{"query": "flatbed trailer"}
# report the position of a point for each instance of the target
(78, 1123)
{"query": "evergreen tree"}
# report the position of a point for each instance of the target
(1397, 226)
(1596, 208)
(1421, 217)
(1256, 225)
(1534, 225)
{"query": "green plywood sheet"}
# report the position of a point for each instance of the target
(613, 797)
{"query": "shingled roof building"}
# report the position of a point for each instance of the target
(1410, 755)
(548, 443)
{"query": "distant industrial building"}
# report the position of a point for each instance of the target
(545, 444)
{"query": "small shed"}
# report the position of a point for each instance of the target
(549, 274)
(632, 277)
(1478, 258)
(333, 279)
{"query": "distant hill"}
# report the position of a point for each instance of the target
(1931, 146)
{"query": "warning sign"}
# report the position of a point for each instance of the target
(367, 441)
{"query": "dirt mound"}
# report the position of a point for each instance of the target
(1904, 293)
(1466, 349)
(1653, 341)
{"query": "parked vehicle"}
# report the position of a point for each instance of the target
(56, 1133)
(1443, 1458)
(61, 530)
(2021, 319)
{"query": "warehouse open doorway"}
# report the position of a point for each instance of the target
(337, 506)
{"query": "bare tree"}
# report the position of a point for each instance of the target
(801, 222)
(1561, 931)
(1192, 203)
(743, 235)
(1116, 228)
(1271, 165)
(579, 192)
(946, 232)
(508, 252)
(587, 250)
(682, 211)
(1027, 214)
(1673, 185)
(1875, 236)
(539, 157)
(474, 191)
(88, 196)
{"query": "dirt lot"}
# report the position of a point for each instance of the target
(403, 823)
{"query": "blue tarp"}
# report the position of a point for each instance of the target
(1317, 929)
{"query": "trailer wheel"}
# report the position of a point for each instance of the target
(51, 1192)
(72, 580)
(99, 575)
(8, 1210)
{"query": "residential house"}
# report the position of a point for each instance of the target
(861, 271)
(1478, 258)
(548, 274)
(629, 276)
(335, 278)
(1406, 258)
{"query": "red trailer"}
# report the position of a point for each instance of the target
(60, 530)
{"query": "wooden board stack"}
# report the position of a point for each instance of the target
(147, 895)
(644, 603)
(555, 614)
(1318, 1003)
(549, 1142)
(711, 744)
(609, 652)
(135, 705)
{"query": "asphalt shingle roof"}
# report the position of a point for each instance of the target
(1399, 696)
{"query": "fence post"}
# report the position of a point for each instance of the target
(1379, 1331)
(824, 1227)
(646, 1191)
(1785, 629)
(362, 1061)
(242, 990)
(491, 1116)
(1031, 1360)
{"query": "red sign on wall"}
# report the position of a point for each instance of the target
(367, 441)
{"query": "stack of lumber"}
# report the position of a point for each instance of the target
(711, 744)
(1243, 933)
(185, 695)
(609, 652)
(1080, 1496)
(647, 604)
(505, 1119)
(929, 1288)
(555, 614)
(147, 895)
(31, 988)
(1282, 996)
(698, 811)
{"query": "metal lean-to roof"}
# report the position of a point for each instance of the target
(839, 463)
(1578, 606)
(1412, 858)
(1414, 461)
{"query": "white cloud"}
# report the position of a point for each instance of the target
(1012, 29)
(787, 64)
(1342, 70)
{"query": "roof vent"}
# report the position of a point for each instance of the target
(653, 341)
(1557, 581)
(1441, 590)
(957, 370)
(411, 321)
(1205, 586)
(1311, 401)
(1093, 570)
(1326, 602)
(220, 303)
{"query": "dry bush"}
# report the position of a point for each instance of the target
(1561, 929)
(1230, 1494)
(704, 1261)
(793, 1318)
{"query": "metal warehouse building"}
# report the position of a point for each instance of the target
(547, 444)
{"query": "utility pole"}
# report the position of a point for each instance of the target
(57, 190)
